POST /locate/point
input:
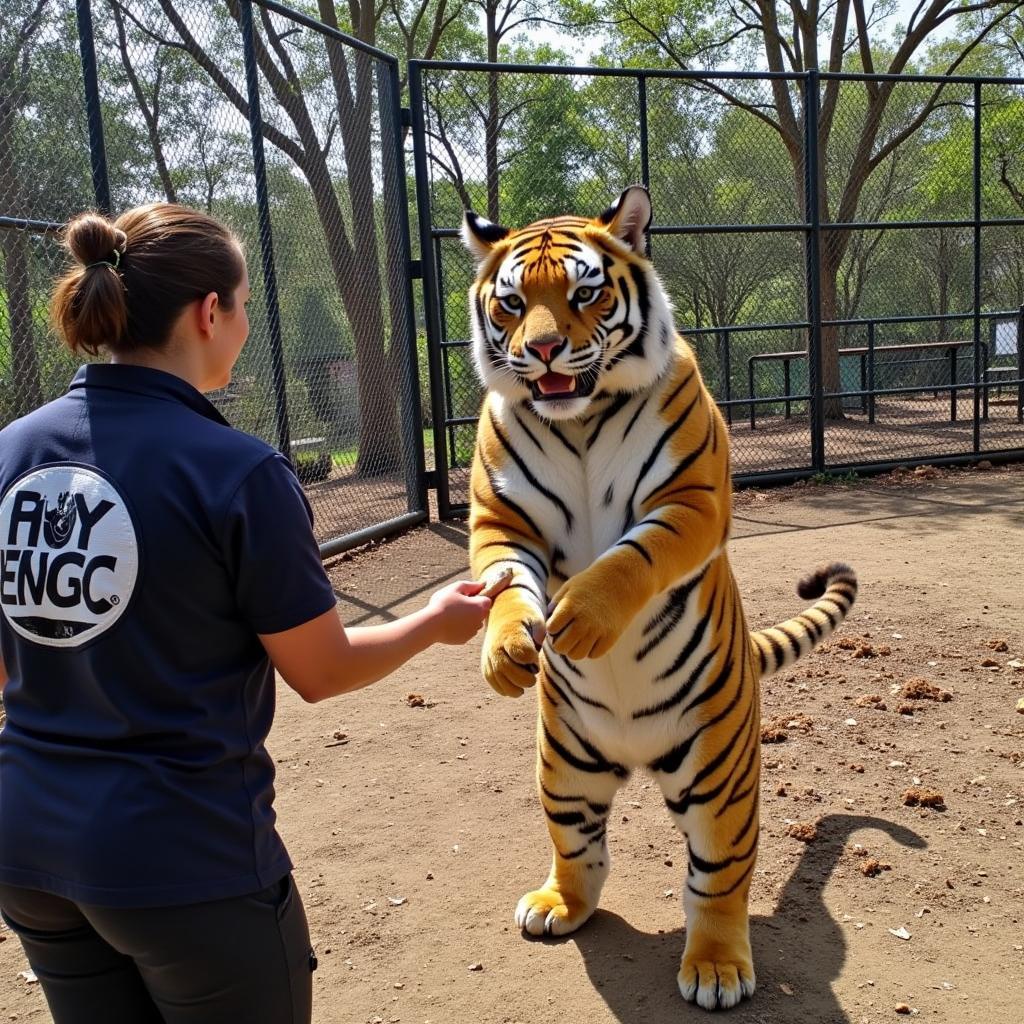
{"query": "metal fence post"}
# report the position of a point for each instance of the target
(813, 261)
(977, 269)
(431, 295)
(645, 156)
(93, 110)
(871, 371)
(1020, 365)
(252, 86)
(726, 369)
(411, 421)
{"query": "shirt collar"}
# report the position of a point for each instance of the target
(142, 380)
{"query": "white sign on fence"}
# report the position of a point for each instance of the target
(1006, 337)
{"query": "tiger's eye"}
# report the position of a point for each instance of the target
(512, 301)
(584, 294)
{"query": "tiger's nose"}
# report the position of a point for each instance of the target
(546, 350)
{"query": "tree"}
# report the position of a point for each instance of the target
(788, 36)
(311, 104)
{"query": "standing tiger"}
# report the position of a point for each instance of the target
(601, 478)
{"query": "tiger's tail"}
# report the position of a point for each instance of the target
(778, 646)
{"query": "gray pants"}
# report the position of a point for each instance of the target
(246, 959)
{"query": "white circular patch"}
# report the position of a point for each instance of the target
(69, 555)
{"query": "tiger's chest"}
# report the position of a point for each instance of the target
(582, 482)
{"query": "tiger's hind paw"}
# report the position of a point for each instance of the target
(548, 912)
(716, 984)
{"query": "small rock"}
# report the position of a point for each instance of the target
(430, 876)
(805, 831)
(397, 901)
(415, 700)
(989, 663)
(873, 868)
(476, 967)
(900, 933)
(850, 721)
(1000, 646)
(917, 797)
(902, 1008)
(29, 976)
(1020, 706)
(786, 989)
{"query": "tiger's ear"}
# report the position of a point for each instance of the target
(480, 235)
(629, 217)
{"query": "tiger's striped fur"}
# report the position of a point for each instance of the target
(601, 478)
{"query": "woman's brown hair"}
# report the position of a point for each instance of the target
(135, 275)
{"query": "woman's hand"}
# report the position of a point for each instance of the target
(458, 611)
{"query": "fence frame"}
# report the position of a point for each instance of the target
(811, 228)
(428, 268)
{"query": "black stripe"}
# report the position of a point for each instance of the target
(639, 409)
(594, 767)
(572, 689)
(508, 502)
(620, 401)
(530, 478)
(656, 451)
(527, 431)
(516, 546)
(691, 645)
(565, 441)
(565, 817)
(725, 892)
(627, 543)
(683, 465)
(711, 867)
(679, 387)
(683, 692)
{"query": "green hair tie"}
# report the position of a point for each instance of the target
(106, 263)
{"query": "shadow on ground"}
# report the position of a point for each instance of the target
(800, 945)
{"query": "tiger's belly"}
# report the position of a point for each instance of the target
(631, 697)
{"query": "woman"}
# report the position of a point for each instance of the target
(156, 566)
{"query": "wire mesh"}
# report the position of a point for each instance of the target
(177, 127)
(725, 163)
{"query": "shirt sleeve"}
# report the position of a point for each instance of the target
(271, 551)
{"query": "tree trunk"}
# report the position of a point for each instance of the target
(379, 447)
(491, 124)
(24, 369)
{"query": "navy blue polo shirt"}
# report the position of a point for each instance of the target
(144, 543)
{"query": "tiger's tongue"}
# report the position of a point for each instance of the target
(556, 383)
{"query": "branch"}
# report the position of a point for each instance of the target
(150, 115)
(1015, 192)
(189, 44)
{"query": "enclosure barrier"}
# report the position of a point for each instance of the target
(294, 133)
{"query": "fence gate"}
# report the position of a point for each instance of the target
(289, 131)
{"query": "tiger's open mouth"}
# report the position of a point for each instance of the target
(553, 386)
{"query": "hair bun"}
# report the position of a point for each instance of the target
(91, 238)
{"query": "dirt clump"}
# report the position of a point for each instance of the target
(805, 831)
(918, 688)
(871, 700)
(915, 796)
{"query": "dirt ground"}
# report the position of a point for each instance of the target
(416, 829)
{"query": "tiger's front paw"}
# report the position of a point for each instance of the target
(511, 655)
(585, 620)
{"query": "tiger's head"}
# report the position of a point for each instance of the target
(568, 308)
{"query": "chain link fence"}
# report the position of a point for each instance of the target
(851, 281)
(287, 131)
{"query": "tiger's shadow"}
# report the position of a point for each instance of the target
(800, 945)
